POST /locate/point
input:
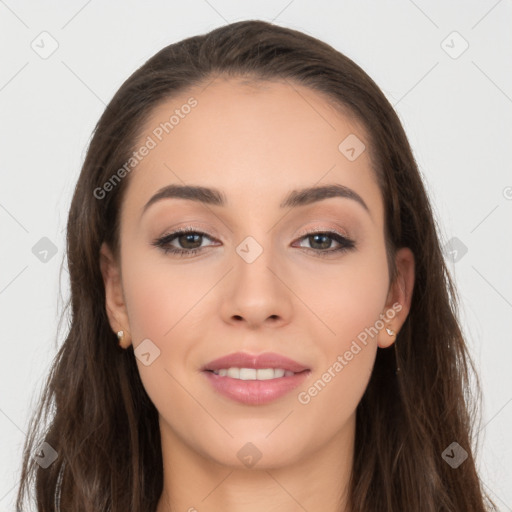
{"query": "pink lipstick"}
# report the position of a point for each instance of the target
(255, 379)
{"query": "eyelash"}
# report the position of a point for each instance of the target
(163, 242)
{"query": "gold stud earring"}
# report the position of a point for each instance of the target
(120, 335)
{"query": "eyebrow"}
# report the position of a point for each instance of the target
(294, 199)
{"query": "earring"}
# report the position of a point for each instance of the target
(120, 335)
(390, 331)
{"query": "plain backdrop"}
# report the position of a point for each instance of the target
(445, 67)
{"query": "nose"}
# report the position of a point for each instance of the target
(256, 292)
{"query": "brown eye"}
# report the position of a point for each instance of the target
(321, 242)
(188, 242)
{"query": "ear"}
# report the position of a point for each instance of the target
(398, 302)
(114, 295)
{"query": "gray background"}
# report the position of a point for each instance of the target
(455, 105)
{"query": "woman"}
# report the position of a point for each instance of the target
(251, 226)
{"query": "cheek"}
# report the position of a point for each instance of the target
(159, 294)
(346, 297)
(164, 302)
(349, 303)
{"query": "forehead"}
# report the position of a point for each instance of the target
(255, 141)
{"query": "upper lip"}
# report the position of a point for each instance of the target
(264, 360)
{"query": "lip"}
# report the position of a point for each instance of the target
(255, 392)
(264, 360)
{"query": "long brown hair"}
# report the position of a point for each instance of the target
(94, 411)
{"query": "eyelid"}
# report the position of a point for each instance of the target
(206, 231)
(325, 229)
(176, 233)
(215, 237)
(345, 242)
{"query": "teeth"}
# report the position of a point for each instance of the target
(234, 373)
(253, 373)
(248, 373)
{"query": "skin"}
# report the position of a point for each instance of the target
(255, 143)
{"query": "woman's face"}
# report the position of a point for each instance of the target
(261, 281)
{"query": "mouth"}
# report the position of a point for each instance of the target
(254, 379)
(254, 373)
(245, 363)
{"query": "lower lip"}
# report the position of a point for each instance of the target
(255, 392)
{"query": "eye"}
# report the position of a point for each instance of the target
(321, 242)
(188, 238)
(190, 242)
